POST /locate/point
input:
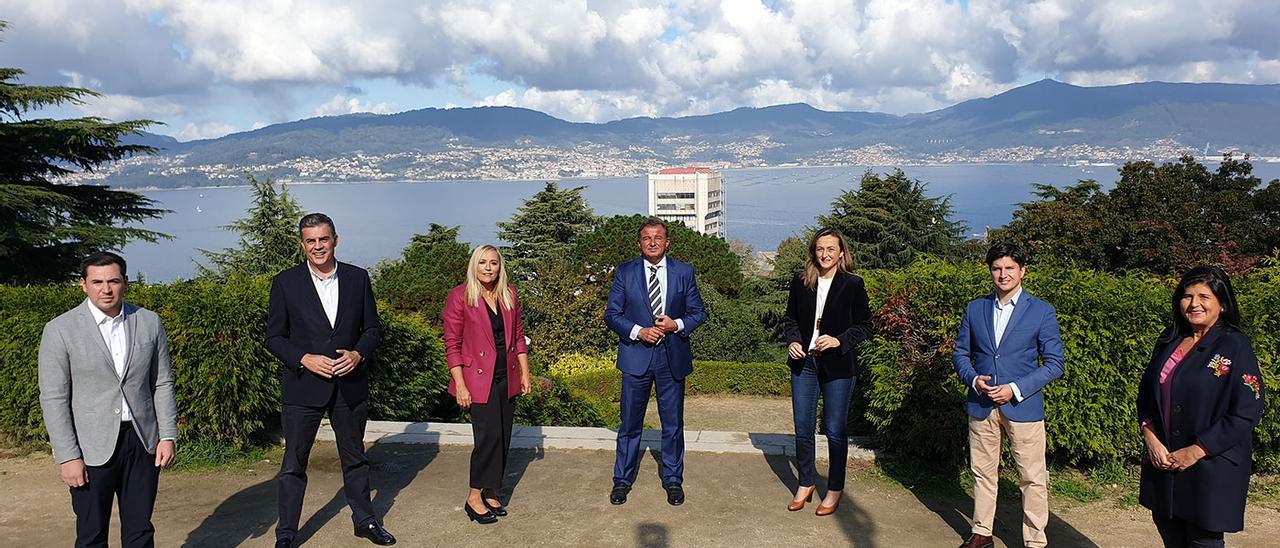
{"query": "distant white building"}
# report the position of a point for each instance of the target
(691, 195)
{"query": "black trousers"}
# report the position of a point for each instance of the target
(300, 423)
(1180, 533)
(491, 427)
(131, 475)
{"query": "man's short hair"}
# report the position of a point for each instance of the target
(653, 221)
(1004, 249)
(316, 219)
(103, 258)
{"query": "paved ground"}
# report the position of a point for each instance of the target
(559, 498)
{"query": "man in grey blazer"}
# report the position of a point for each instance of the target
(113, 432)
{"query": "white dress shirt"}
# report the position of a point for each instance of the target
(824, 287)
(115, 333)
(1001, 314)
(327, 289)
(662, 290)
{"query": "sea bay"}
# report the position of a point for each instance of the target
(764, 206)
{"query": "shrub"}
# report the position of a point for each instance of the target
(573, 364)
(755, 379)
(226, 382)
(1109, 325)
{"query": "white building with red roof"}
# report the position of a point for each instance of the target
(691, 195)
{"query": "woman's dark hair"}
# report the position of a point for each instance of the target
(1220, 284)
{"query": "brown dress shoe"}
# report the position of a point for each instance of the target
(978, 541)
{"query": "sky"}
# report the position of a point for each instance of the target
(207, 68)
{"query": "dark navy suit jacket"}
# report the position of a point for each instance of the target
(629, 306)
(1216, 401)
(297, 325)
(1031, 337)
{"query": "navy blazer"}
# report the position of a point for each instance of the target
(1214, 404)
(1031, 337)
(297, 325)
(629, 306)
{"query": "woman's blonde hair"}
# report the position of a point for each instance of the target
(473, 284)
(811, 270)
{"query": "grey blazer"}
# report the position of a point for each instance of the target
(80, 391)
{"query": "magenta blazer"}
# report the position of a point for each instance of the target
(469, 344)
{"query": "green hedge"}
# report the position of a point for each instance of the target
(227, 384)
(912, 400)
(755, 379)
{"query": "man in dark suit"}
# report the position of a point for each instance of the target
(654, 305)
(1007, 351)
(323, 326)
(106, 390)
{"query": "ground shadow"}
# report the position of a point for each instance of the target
(652, 535)
(518, 462)
(857, 525)
(245, 515)
(942, 490)
(393, 465)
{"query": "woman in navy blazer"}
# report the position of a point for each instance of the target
(488, 366)
(827, 317)
(1198, 403)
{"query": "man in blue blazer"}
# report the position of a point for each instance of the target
(654, 306)
(1008, 349)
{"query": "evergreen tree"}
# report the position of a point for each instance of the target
(431, 265)
(545, 227)
(889, 220)
(47, 227)
(268, 235)
(1161, 219)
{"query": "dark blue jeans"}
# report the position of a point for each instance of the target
(836, 394)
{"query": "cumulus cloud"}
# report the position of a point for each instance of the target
(601, 59)
(206, 130)
(342, 104)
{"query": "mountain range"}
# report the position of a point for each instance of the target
(1046, 121)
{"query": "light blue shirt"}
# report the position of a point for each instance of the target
(1001, 314)
(662, 290)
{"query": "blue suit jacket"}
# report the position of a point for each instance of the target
(629, 306)
(1030, 338)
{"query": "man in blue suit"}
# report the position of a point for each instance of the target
(1008, 349)
(654, 306)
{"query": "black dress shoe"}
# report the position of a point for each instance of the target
(284, 543)
(675, 494)
(483, 519)
(498, 510)
(619, 494)
(376, 534)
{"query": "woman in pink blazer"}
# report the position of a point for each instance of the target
(489, 364)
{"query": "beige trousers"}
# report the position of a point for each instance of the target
(1026, 441)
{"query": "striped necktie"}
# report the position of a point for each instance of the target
(655, 292)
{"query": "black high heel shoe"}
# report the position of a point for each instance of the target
(483, 519)
(499, 510)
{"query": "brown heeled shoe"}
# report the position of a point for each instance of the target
(824, 510)
(796, 506)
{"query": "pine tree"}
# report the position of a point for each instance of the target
(545, 227)
(47, 227)
(889, 220)
(268, 235)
